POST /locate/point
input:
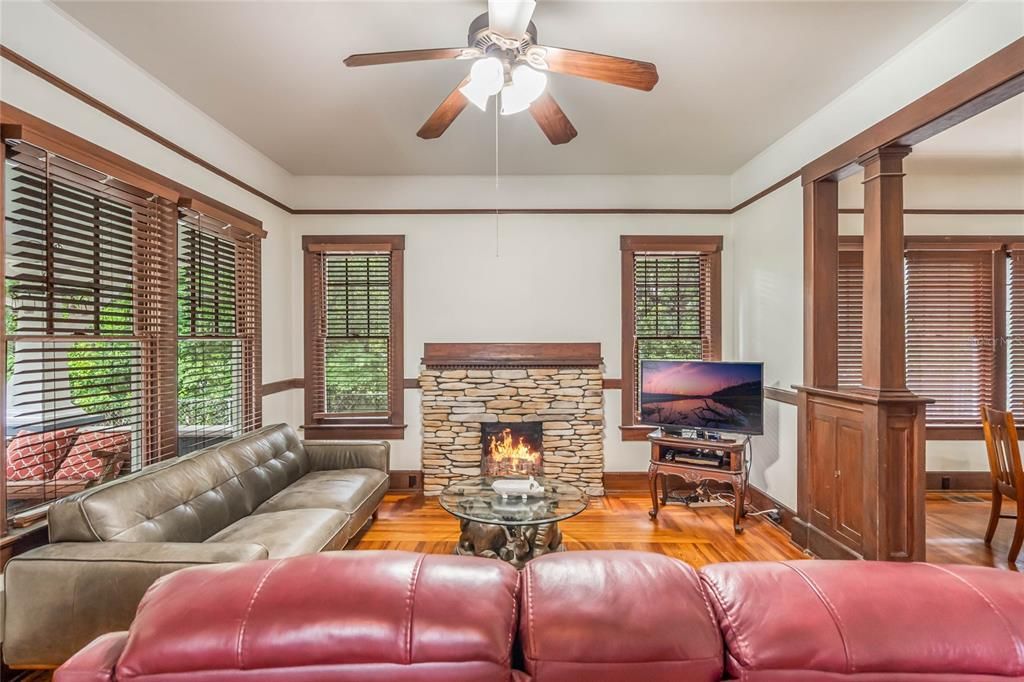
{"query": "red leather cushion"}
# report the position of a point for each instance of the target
(830, 620)
(616, 616)
(94, 663)
(82, 462)
(36, 456)
(356, 615)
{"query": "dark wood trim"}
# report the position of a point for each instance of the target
(989, 82)
(964, 481)
(781, 395)
(761, 501)
(635, 433)
(659, 242)
(395, 427)
(817, 543)
(629, 246)
(61, 84)
(611, 384)
(626, 482)
(351, 242)
(821, 283)
(283, 385)
(512, 355)
(965, 433)
(402, 480)
(18, 124)
(410, 384)
(355, 431)
(766, 191)
(945, 211)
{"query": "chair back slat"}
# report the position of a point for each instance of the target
(1003, 448)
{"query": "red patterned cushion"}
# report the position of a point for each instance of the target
(82, 464)
(36, 456)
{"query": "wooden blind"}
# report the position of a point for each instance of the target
(851, 316)
(217, 340)
(352, 342)
(672, 303)
(88, 315)
(950, 327)
(1015, 331)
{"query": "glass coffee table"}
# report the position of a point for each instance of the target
(511, 528)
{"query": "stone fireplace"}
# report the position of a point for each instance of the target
(540, 405)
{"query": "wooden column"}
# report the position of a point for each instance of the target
(884, 339)
(821, 287)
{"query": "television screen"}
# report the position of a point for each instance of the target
(716, 396)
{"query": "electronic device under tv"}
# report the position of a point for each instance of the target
(704, 396)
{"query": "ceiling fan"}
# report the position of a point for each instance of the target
(507, 61)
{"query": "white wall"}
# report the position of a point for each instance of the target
(518, 278)
(966, 36)
(768, 262)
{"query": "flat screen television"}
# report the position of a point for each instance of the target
(709, 396)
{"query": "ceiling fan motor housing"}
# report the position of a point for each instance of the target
(484, 39)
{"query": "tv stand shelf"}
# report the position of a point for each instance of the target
(724, 464)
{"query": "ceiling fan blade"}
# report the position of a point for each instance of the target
(445, 114)
(552, 120)
(510, 17)
(599, 67)
(373, 58)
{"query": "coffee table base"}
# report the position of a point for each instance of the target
(512, 544)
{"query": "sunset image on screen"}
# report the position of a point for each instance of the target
(724, 396)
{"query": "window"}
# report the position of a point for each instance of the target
(354, 336)
(217, 297)
(956, 322)
(1015, 329)
(91, 355)
(671, 309)
(87, 304)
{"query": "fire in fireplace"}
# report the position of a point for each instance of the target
(512, 449)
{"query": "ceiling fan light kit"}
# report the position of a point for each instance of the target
(508, 60)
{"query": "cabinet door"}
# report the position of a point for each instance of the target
(822, 468)
(849, 487)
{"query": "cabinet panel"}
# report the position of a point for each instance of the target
(822, 466)
(850, 482)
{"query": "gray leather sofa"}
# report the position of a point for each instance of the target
(265, 495)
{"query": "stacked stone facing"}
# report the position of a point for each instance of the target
(569, 402)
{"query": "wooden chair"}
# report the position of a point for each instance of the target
(1007, 474)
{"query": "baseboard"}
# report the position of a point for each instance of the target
(958, 481)
(820, 545)
(404, 481)
(761, 501)
(626, 482)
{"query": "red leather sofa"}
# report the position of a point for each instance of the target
(371, 616)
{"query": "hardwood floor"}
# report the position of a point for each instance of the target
(700, 536)
(956, 526)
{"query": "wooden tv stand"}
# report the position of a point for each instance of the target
(732, 470)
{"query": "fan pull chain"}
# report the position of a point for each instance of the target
(497, 226)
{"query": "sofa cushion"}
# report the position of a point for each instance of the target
(356, 491)
(832, 620)
(616, 615)
(187, 499)
(291, 532)
(36, 456)
(359, 616)
(82, 462)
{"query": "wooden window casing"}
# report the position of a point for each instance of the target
(956, 327)
(218, 331)
(671, 309)
(1014, 346)
(88, 248)
(354, 334)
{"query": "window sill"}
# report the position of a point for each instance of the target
(355, 431)
(954, 433)
(636, 433)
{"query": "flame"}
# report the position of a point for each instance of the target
(511, 457)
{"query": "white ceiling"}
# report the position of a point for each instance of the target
(735, 76)
(991, 142)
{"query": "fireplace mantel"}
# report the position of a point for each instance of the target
(511, 355)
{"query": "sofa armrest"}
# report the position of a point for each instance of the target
(96, 662)
(60, 597)
(326, 455)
